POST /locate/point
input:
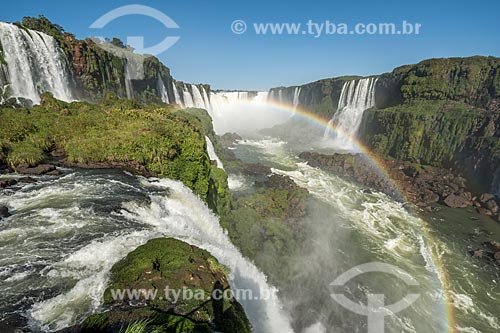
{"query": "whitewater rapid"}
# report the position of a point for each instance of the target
(355, 226)
(88, 243)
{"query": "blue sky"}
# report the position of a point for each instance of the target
(209, 52)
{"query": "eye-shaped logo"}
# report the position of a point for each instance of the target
(134, 67)
(375, 310)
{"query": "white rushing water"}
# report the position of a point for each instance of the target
(359, 227)
(198, 100)
(187, 97)
(356, 97)
(162, 90)
(244, 111)
(212, 154)
(88, 243)
(206, 99)
(35, 64)
(296, 97)
(177, 97)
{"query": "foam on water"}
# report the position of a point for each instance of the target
(212, 154)
(181, 215)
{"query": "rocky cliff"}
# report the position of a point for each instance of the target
(440, 112)
(100, 66)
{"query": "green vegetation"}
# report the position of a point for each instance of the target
(267, 225)
(99, 66)
(148, 139)
(425, 132)
(473, 80)
(169, 262)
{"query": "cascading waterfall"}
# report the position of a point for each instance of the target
(162, 91)
(128, 81)
(188, 98)
(198, 101)
(261, 97)
(35, 64)
(243, 111)
(222, 100)
(206, 99)
(356, 97)
(296, 95)
(89, 244)
(177, 97)
(271, 95)
(212, 154)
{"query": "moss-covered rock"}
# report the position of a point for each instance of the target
(169, 263)
(147, 139)
(268, 224)
(473, 80)
(439, 133)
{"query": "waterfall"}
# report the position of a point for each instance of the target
(271, 96)
(261, 97)
(244, 112)
(356, 97)
(188, 98)
(221, 101)
(162, 91)
(177, 97)
(280, 96)
(296, 95)
(206, 99)
(197, 98)
(35, 64)
(128, 81)
(212, 154)
(77, 269)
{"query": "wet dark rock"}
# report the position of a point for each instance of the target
(4, 212)
(457, 201)
(484, 211)
(492, 206)
(489, 251)
(281, 182)
(54, 173)
(27, 180)
(255, 169)
(7, 183)
(486, 197)
(229, 139)
(57, 153)
(40, 169)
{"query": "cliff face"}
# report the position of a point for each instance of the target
(474, 81)
(321, 97)
(443, 112)
(110, 66)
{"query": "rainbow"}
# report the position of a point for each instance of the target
(448, 309)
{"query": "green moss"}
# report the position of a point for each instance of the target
(424, 131)
(264, 227)
(141, 320)
(152, 139)
(472, 80)
(171, 263)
